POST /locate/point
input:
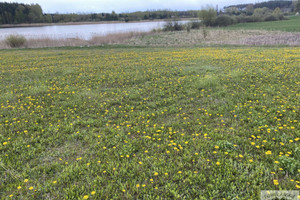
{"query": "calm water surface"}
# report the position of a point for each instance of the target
(86, 31)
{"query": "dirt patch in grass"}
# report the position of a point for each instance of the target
(218, 37)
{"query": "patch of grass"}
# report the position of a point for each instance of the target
(290, 25)
(148, 123)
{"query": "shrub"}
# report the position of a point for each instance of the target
(15, 41)
(270, 18)
(195, 24)
(224, 20)
(173, 26)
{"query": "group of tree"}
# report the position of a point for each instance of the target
(15, 13)
(245, 13)
(287, 5)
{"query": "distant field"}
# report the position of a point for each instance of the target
(149, 123)
(291, 25)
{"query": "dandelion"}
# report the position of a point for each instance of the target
(26, 180)
(179, 172)
(268, 153)
(155, 174)
(137, 185)
(86, 197)
(19, 187)
(93, 192)
(275, 182)
(31, 188)
(218, 163)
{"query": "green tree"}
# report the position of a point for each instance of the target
(277, 13)
(20, 16)
(261, 12)
(298, 6)
(35, 13)
(249, 9)
(208, 16)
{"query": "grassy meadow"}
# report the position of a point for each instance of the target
(290, 25)
(149, 123)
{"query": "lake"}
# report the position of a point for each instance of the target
(86, 31)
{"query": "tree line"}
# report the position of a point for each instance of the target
(282, 4)
(244, 13)
(17, 13)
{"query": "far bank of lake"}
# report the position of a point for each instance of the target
(79, 30)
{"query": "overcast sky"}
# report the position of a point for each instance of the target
(89, 6)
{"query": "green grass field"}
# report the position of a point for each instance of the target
(290, 25)
(149, 123)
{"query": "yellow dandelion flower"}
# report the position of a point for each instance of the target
(19, 187)
(26, 180)
(31, 188)
(268, 153)
(218, 163)
(93, 192)
(137, 185)
(275, 182)
(86, 197)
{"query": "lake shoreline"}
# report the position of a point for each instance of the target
(84, 23)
